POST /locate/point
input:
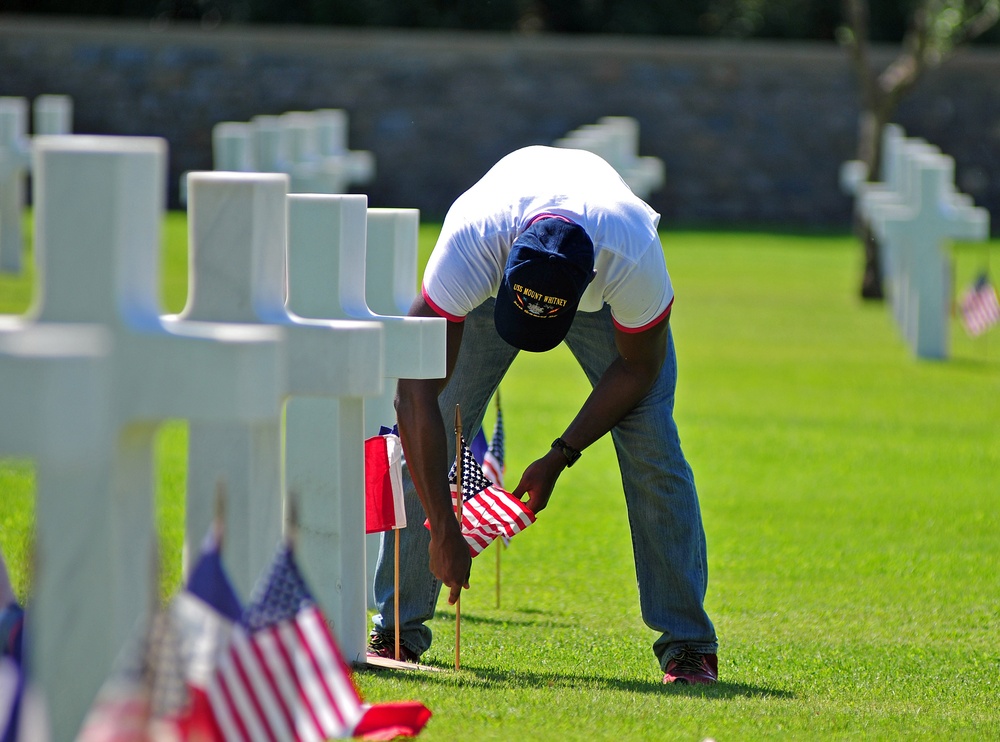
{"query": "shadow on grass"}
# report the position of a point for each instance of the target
(545, 618)
(492, 678)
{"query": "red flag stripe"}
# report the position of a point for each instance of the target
(283, 684)
(335, 668)
(250, 695)
(260, 647)
(224, 705)
(295, 693)
(481, 510)
(286, 682)
(492, 470)
(516, 511)
(483, 534)
(316, 689)
(477, 538)
(502, 510)
(482, 515)
(259, 682)
(331, 667)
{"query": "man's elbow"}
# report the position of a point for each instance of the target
(413, 394)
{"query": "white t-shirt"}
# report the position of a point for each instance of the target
(467, 264)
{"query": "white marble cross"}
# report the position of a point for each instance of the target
(15, 160)
(52, 114)
(390, 288)
(327, 279)
(616, 139)
(54, 401)
(317, 161)
(914, 211)
(232, 147)
(914, 232)
(269, 153)
(237, 227)
(98, 210)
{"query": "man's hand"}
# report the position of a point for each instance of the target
(539, 479)
(451, 561)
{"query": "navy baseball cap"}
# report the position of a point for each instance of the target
(549, 267)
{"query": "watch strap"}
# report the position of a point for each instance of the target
(571, 454)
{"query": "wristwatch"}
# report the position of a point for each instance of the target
(567, 450)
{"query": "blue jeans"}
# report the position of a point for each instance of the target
(668, 540)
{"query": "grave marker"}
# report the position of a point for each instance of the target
(390, 288)
(232, 147)
(914, 233)
(54, 395)
(914, 212)
(15, 159)
(326, 279)
(616, 139)
(98, 210)
(52, 114)
(237, 226)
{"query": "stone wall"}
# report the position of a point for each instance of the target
(750, 133)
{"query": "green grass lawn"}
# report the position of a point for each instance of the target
(850, 498)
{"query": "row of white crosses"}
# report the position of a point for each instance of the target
(51, 114)
(309, 146)
(616, 139)
(914, 213)
(94, 369)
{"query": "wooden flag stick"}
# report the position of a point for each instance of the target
(292, 519)
(458, 514)
(499, 543)
(395, 595)
(219, 524)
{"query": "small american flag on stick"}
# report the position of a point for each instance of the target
(284, 677)
(488, 511)
(979, 306)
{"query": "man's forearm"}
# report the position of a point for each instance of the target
(617, 392)
(422, 433)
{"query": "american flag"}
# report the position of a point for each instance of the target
(488, 511)
(284, 677)
(19, 720)
(146, 693)
(979, 306)
(491, 454)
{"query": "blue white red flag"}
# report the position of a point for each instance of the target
(284, 677)
(160, 693)
(384, 507)
(488, 511)
(22, 712)
(22, 715)
(980, 307)
(204, 613)
(11, 617)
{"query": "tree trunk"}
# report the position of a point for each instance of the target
(871, 124)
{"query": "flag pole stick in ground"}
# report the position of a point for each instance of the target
(395, 594)
(292, 519)
(458, 514)
(499, 543)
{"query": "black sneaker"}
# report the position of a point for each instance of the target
(384, 645)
